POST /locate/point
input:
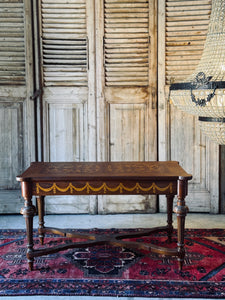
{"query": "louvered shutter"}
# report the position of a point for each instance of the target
(186, 29)
(127, 130)
(67, 49)
(180, 139)
(12, 49)
(16, 109)
(64, 42)
(126, 43)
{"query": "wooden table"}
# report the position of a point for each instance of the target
(98, 178)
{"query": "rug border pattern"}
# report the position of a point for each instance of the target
(114, 288)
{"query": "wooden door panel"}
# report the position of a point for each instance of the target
(13, 157)
(128, 139)
(188, 146)
(66, 140)
(11, 201)
(126, 204)
(72, 205)
(127, 132)
(11, 141)
(66, 132)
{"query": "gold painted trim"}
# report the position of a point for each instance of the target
(121, 187)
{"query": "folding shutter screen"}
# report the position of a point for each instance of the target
(186, 28)
(126, 43)
(64, 42)
(12, 49)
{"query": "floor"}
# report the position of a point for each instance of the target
(108, 221)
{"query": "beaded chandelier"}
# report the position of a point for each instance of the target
(203, 93)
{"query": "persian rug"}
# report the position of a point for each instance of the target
(114, 271)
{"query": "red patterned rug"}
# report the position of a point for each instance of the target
(115, 271)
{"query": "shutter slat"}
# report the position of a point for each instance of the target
(124, 69)
(69, 61)
(131, 15)
(184, 48)
(12, 47)
(66, 26)
(171, 39)
(60, 1)
(184, 56)
(188, 35)
(126, 25)
(187, 2)
(126, 13)
(11, 6)
(125, 1)
(12, 56)
(189, 23)
(129, 4)
(64, 42)
(72, 6)
(10, 21)
(113, 42)
(120, 83)
(187, 17)
(125, 51)
(11, 1)
(186, 29)
(188, 7)
(124, 21)
(67, 43)
(63, 18)
(131, 31)
(62, 53)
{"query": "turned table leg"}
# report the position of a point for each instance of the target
(181, 210)
(169, 216)
(28, 211)
(41, 212)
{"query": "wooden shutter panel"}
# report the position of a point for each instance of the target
(12, 49)
(126, 43)
(186, 28)
(64, 42)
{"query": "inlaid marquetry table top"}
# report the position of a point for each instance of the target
(44, 171)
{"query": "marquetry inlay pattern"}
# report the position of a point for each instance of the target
(88, 188)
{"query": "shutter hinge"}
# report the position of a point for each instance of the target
(35, 95)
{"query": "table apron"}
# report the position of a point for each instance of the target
(109, 187)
